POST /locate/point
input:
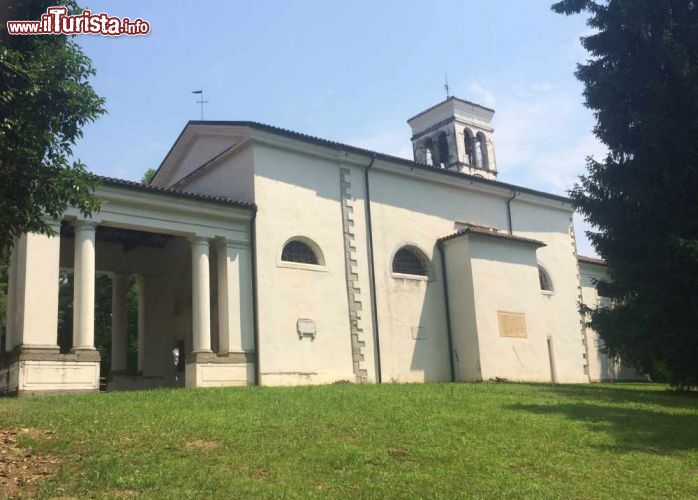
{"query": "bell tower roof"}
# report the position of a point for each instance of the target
(455, 134)
(452, 108)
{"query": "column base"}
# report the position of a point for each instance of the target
(83, 349)
(44, 370)
(213, 370)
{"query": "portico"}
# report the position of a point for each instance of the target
(183, 250)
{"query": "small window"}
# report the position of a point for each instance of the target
(298, 251)
(546, 284)
(409, 260)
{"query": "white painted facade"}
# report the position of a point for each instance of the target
(230, 196)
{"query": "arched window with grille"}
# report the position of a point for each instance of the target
(546, 284)
(301, 252)
(410, 260)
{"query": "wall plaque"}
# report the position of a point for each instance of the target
(306, 328)
(512, 324)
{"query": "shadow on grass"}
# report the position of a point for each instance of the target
(632, 429)
(626, 393)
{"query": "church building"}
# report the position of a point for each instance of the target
(266, 256)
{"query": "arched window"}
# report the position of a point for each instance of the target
(443, 150)
(470, 158)
(299, 251)
(546, 284)
(482, 147)
(429, 148)
(410, 260)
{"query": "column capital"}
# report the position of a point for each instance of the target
(198, 240)
(84, 225)
(225, 242)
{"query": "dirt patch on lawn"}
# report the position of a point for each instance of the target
(21, 469)
(399, 454)
(201, 445)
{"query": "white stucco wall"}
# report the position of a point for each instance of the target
(189, 154)
(505, 278)
(488, 276)
(466, 355)
(406, 211)
(297, 191)
(299, 195)
(33, 307)
(231, 176)
(559, 310)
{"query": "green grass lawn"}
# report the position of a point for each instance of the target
(433, 440)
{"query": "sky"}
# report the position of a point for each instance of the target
(348, 70)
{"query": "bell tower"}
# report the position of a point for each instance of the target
(456, 135)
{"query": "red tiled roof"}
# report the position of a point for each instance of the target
(175, 192)
(491, 233)
(366, 152)
(591, 260)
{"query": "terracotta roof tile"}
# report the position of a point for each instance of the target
(491, 233)
(591, 260)
(175, 192)
(368, 153)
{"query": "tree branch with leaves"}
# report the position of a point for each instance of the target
(45, 101)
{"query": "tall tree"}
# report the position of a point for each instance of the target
(45, 100)
(642, 84)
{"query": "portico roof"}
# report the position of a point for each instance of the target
(176, 192)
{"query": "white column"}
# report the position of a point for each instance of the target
(229, 292)
(140, 283)
(119, 335)
(84, 287)
(200, 291)
(35, 292)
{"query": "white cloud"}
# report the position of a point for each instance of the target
(543, 139)
(543, 136)
(485, 96)
(542, 87)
